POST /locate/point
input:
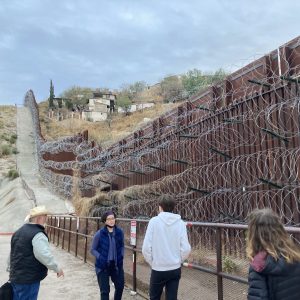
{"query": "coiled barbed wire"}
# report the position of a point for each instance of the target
(236, 156)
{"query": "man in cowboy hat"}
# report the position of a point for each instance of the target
(30, 256)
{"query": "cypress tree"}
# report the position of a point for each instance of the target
(51, 97)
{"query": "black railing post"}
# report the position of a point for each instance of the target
(63, 234)
(219, 263)
(58, 228)
(85, 241)
(133, 239)
(134, 269)
(49, 228)
(76, 240)
(54, 231)
(69, 238)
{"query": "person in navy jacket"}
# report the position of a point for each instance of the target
(274, 272)
(108, 249)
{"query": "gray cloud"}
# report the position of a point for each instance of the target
(100, 43)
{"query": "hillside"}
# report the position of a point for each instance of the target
(104, 133)
(14, 203)
(8, 139)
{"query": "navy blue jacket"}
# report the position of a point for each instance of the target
(100, 247)
(273, 280)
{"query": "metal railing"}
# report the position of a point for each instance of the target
(217, 267)
(28, 191)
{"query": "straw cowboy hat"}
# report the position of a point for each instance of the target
(38, 211)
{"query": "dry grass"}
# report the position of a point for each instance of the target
(84, 206)
(79, 205)
(7, 119)
(7, 130)
(101, 132)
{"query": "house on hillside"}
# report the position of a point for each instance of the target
(59, 102)
(135, 107)
(100, 106)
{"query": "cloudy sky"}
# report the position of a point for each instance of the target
(108, 43)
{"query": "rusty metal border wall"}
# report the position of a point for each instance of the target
(235, 96)
(228, 99)
(249, 89)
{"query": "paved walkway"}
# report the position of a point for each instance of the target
(79, 283)
(15, 201)
(28, 166)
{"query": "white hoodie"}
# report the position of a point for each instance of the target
(166, 243)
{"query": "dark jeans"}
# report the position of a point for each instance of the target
(117, 277)
(168, 279)
(25, 291)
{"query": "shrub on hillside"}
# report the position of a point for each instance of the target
(13, 138)
(5, 150)
(229, 265)
(12, 174)
(5, 137)
(15, 151)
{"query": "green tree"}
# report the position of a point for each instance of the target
(69, 104)
(59, 102)
(172, 89)
(133, 91)
(219, 75)
(51, 96)
(104, 90)
(194, 80)
(124, 102)
(78, 95)
(137, 87)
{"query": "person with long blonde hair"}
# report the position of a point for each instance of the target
(274, 272)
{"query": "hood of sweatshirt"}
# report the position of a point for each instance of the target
(266, 264)
(169, 218)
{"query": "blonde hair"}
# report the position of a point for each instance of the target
(266, 233)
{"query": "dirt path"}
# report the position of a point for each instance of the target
(79, 283)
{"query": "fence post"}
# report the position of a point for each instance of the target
(134, 270)
(76, 241)
(85, 242)
(54, 230)
(133, 237)
(58, 228)
(63, 234)
(219, 263)
(69, 238)
(49, 221)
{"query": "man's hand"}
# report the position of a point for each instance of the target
(60, 273)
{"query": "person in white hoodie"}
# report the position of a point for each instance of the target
(165, 247)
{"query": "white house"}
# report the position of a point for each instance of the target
(136, 107)
(99, 107)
